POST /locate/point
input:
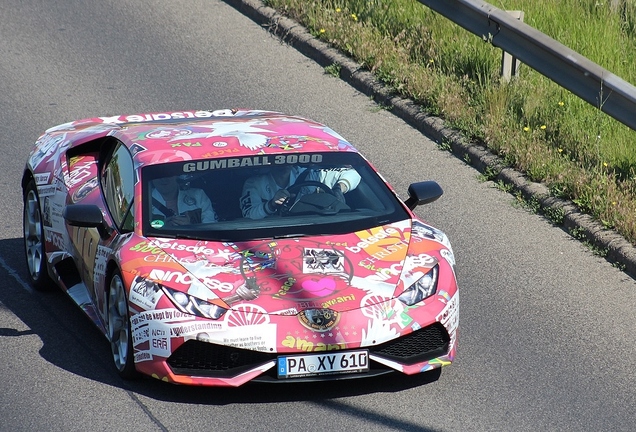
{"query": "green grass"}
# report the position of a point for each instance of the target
(333, 70)
(533, 124)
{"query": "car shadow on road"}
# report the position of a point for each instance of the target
(71, 342)
(257, 392)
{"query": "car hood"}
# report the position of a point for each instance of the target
(284, 276)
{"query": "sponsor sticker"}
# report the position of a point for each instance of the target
(157, 223)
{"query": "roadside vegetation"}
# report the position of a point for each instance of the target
(534, 125)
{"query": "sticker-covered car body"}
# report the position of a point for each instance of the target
(220, 247)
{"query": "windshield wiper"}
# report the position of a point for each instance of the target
(284, 236)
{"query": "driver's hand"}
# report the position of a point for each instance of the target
(279, 199)
(280, 196)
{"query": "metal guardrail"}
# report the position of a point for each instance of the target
(581, 76)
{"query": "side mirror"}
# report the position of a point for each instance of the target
(86, 216)
(423, 193)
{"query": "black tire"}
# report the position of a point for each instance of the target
(33, 231)
(119, 328)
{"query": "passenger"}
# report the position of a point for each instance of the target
(181, 207)
(263, 195)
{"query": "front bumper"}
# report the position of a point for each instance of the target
(427, 341)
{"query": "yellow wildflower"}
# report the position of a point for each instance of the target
(543, 127)
(526, 129)
(338, 10)
(322, 30)
(354, 17)
(561, 103)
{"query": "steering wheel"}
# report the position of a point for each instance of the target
(295, 188)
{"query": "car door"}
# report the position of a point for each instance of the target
(112, 191)
(83, 188)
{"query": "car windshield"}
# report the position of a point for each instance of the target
(265, 196)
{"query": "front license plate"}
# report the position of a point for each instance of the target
(298, 366)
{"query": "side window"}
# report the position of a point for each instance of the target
(118, 186)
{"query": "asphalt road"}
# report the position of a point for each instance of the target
(547, 329)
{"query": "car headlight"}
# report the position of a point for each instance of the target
(194, 305)
(423, 288)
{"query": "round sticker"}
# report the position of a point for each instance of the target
(157, 223)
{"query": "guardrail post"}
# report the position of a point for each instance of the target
(510, 64)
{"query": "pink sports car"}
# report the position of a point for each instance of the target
(221, 247)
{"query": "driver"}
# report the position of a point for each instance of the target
(264, 194)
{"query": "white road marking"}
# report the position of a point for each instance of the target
(15, 275)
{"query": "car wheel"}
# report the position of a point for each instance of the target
(119, 331)
(34, 240)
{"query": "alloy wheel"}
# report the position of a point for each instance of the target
(119, 324)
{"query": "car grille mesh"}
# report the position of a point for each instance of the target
(198, 356)
(423, 344)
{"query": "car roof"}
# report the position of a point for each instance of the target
(155, 138)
